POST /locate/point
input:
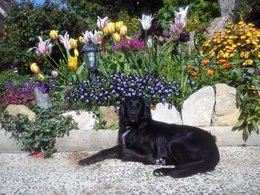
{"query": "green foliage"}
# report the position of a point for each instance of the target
(24, 24)
(39, 135)
(200, 11)
(11, 77)
(248, 100)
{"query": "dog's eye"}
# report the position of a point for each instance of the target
(130, 103)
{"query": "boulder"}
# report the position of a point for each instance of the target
(164, 114)
(42, 99)
(110, 115)
(84, 119)
(14, 110)
(225, 112)
(198, 108)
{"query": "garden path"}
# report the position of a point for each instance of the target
(237, 173)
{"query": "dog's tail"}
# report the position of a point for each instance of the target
(188, 169)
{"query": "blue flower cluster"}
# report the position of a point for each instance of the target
(112, 90)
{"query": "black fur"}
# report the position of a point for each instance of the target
(141, 139)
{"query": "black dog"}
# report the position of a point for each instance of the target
(141, 139)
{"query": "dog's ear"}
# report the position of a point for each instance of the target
(122, 109)
(147, 110)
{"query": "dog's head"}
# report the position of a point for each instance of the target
(134, 110)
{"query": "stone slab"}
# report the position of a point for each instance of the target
(92, 140)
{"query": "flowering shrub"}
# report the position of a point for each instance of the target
(238, 40)
(112, 90)
(237, 61)
(23, 93)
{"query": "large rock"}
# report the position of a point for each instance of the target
(225, 113)
(164, 114)
(110, 116)
(198, 108)
(84, 119)
(14, 110)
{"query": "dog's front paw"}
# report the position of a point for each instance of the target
(160, 161)
(160, 172)
(85, 161)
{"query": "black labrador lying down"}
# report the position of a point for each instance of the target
(141, 139)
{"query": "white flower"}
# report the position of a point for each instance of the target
(86, 36)
(149, 43)
(95, 37)
(101, 23)
(54, 74)
(146, 21)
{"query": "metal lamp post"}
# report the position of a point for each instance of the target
(89, 51)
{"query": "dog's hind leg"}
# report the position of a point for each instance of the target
(114, 152)
(185, 170)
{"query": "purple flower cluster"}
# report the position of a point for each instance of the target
(23, 93)
(132, 44)
(112, 90)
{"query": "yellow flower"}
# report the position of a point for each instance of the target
(81, 39)
(73, 62)
(76, 53)
(54, 34)
(34, 68)
(73, 43)
(116, 37)
(248, 62)
(123, 30)
(118, 25)
(110, 28)
(41, 76)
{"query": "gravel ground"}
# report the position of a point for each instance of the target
(237, 173)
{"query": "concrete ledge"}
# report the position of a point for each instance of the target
(92, 140)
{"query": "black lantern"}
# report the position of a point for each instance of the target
(89, 51)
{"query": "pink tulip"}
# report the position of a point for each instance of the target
(101, 23)
(44, 47)
(177, 27)
(65, 40)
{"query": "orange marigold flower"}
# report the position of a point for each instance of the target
(205, 62)
(210, 72)
(227, 66)
(188, 67)
(222, 61)
(194, 74)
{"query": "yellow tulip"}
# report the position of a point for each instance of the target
(34, 68)
(54, 34)
(73, 43)
(76, 53)
(116, 37)
(118, 25)
(110, 28)
(41, 76)
(105, 30)
(123, 30)
(81, 39)
(73, 63)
